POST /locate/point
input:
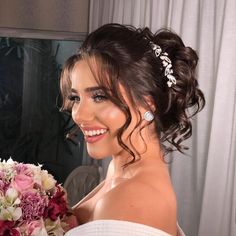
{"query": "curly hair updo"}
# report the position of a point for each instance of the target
(125, 57)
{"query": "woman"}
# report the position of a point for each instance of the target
(132, 93)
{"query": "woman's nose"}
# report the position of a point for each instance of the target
(82, 113)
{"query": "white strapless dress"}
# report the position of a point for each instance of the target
(117, 228)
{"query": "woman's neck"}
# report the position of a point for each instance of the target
(120, 167)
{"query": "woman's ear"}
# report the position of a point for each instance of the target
(150, 103)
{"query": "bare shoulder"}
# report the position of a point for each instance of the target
(138, 201)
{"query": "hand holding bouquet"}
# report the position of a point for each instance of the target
(31, 201)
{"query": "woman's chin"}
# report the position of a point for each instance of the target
(97, 155)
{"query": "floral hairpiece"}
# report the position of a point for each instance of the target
(166, 62)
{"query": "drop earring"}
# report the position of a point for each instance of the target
(148, 116)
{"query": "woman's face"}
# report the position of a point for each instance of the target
(98, 118)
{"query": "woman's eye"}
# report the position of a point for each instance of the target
(74, 98)
(99, 97)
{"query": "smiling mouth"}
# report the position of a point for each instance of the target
(93, 136)
(93, 133)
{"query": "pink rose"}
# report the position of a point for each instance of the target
(22, 183)
(34, 227)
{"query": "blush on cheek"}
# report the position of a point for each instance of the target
(114, 116)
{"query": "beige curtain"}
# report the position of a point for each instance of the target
(204, 179)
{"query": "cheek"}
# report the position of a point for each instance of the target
(113, 116)
(74, 114)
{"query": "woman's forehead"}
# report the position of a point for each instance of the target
(82, 76)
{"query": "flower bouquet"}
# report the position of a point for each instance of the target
(31, 201)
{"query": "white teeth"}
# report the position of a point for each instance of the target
(95, 132)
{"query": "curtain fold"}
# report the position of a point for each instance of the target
(204, 179)
(220, 184)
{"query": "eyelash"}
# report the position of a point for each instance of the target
(74, 98)
(97, 97)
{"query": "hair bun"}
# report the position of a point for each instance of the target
(185, 99)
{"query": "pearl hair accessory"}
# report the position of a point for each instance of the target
(166, 62)
(148, 116)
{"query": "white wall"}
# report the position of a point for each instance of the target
(56, 15)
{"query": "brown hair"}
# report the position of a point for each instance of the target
(124, 56)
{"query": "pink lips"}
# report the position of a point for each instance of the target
(93, 139)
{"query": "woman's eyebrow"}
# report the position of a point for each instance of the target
(74, 90)
(88, 90)
(92, 89)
